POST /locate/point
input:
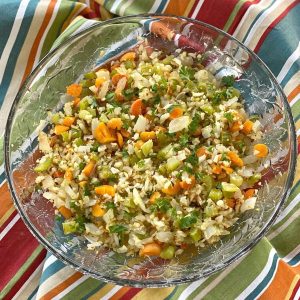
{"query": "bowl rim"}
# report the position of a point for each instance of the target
(153, 283)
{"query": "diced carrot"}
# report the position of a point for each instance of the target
(228, 170)
(105, 189)
(125, 133)
(217, 169)
(97, 210)
(160, 128)
(74, 90)
(99, 81)
(247, 127)
(115, 123)
(230, 202)
(89, 168)
(59, 129)
(261, 150)
(115, 79)
(249, 193)
(236, 126)
(128, 56)
(176, 113)
(58, 174)
(120, 139)
(147, 135)
(154, 196)
(137, 107)
(76, 101)
(201, 151)
(69, 174)
(82, 183)
(139, 144)
(115, 65)
(186, 186)
(173, 189)
(67, 214)
(235, 159)
(68, 121)
(150, 249)
(104, 135)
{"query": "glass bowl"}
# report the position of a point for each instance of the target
(43, 91)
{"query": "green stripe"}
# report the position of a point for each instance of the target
(241, 276)
(85, 289)
(138, 7)
(21, 271)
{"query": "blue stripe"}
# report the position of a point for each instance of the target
(161, 6)
(286, 37)
(264, 283)
(33, 294)
(51, 270)
(22, 34)
(294, 260)
(292, 71)
(2, 177)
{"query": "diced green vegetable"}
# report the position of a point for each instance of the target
(254, 178)
(105, 173)
(117, 228)
(229, 187)
(90, 75)
(44, 166)
(187, 221)
(65, 136)
(207, 108)
(210, 211)
(172, 164)
(167, 252)
(166, 152)
(70, 226)
(55, 118)
(147, 147)
(85, 115)
(208, 182)
(195, 234)
(215, 194)
(236, 179)
(83, 104)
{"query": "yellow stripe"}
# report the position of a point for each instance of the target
(188, 8)
(292, 83)
(293, 284)
(150, 294)
(99, 294)
(7, 215)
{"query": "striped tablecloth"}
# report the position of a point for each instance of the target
(28, 30)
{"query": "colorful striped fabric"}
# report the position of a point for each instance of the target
(30, 28)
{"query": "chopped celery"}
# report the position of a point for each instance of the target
(215, 194)
(254, 178)
(162, 169)
(166, 152)
(229, 187)
(92, 111)
(236, 179)
(167, 252)
(147, 147)
(128, 202)
(129, 64)
(85, 115)
(232, 92)
(208, 182)
(86, 92)
(163, 139)
(167, 60)
(65, 136)
(195, 234)
(133, 159)
(172, 164)
(87, 83)
(138, 153)
(90, 75)
(207, 108)
(83, 104)
(55, 118)
(44, 166)
(210, 211)
(69, 226)
(105, 173)
(75, 133)
(225, 138)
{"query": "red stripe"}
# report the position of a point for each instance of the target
(193, 8)
(273, 24)
(295, 290)
(15, 248)
(240, 15)
(8, 220)
(216, 12)
(130, 294)
(39, 260)
(97, 9)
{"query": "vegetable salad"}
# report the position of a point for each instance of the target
(151, 154)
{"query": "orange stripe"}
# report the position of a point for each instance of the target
(62, 286)
(294, 93)
(38, 38)
(6, 202)
(177, 7)
(121, 292)
(292, 287)
(281, 283)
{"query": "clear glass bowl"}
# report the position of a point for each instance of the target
(44, 90)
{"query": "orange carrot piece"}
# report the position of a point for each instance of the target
(249, 193)
(236, 126)
(115, 123)
(67, 214)
(137, 107)
(58, 174)
(120, 139)
(59, 129)
(89, 168)
(235, 159)
(76, 101)
(97, 211)
(99, 81)
(147, 135)
(104, 135)
(228, 170)
(154, 196)
(68, 121)
(139, 144)
(247, 127)
(217, 169)
(125, 133)
(186, 186)
(82, 183)
(116, 78)
(74, 90)
(150, 249)
(176, 113)
(69, 174)
(105, 189)
(172, 190)
(128, 56)
(230, 202)
(261, 150)
(201, 151)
